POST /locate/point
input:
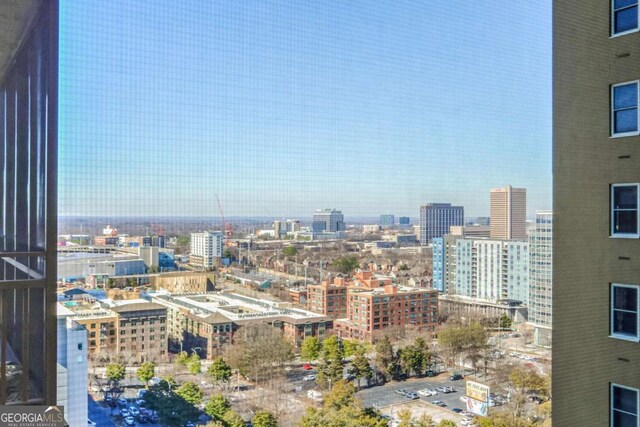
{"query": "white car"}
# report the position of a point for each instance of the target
(427, 392)
(311, 377)
(134, 411)
(463, 399)
(130, 421)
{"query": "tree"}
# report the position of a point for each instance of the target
(446, 423)
(290, 251)
(342, 409)
(331, 367)
(115, 372)
(183, 358)
(361, 368)
(504, 321)
(404, 416)
(259, 351)
(310, 348)
(190, 392)
(346, 265)
(172, 409)
(217, 406)
(219, 370)
(385, 357)
(146, 371)
(232, 419)
(425, 421)
(456, 340)
(194, 364)
(411, 360)
(264, 419)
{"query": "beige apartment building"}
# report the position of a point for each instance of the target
(596, 176)
(508, 213)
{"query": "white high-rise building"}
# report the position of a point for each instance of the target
(540, 277)
(206, 248)
(492, 270)
(73, 368)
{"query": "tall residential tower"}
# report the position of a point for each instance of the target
(596, 176)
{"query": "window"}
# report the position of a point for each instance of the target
(624, 210)
(624, 16)
(624, 406)
(624, 109)
(624, 312)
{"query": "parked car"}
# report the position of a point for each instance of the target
(143, 419)
(438, 403)
(463, 399)
(401, 391)
(311, 377)
(124, 412)
(455, 377)
(141, 393)
(130, 421)
(442, 389)
(466, 422)
(456, 410)
(307, 367)
(122, 402)
(427, 392)
(411, 395)
(140, 402)
(134, 411)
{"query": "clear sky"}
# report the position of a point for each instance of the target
(282, 107)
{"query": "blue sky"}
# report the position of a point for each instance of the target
(283, 107)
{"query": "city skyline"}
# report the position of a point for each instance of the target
(291, 108)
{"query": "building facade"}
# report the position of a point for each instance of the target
(372, 311)
(328, 298)
(328, 220)
(436, 219)
(404, 220)
(142, 334)
(596, 171)
(206, 322)
(387, 220)
(541, 278)
(206, 249)
(73, 368)
(492, 270)
(508, 213)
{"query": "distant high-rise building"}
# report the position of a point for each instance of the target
(540, 278)
(387, 220)
(444, 263)
(206, 248)
(282, 228)
(330, 220)
(509, 213)
(437, 218)
(404, 220)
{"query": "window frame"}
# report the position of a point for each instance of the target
(612, 111)
(612, 233)
(612, 310)
(613, 20)
(611, 408)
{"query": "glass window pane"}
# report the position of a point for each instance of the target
(622, 3)
(625, 298)
(625, 222)
(625, 96)
(620, 419)
(625, 323)
(626, 19)
(626, 121)
(625, 400)
(625, 197)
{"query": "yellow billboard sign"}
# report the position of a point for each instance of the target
(477, 391)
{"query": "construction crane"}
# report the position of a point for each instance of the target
(225, 225)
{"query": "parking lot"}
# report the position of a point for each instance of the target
(386, 395)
